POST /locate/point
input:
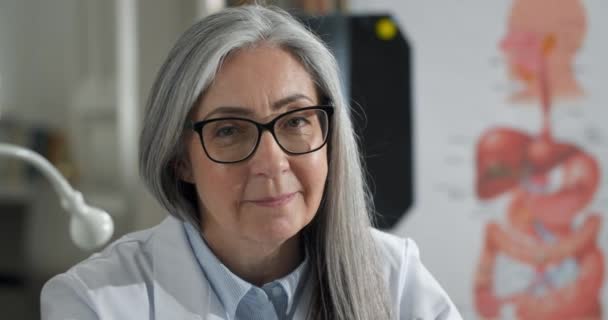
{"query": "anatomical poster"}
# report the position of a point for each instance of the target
(542, 259)
(511, 153)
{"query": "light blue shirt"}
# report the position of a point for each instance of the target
(242, 300)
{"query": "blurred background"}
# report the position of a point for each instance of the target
(74, 76)
(430, 82)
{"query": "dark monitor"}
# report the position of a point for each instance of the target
(375, 61)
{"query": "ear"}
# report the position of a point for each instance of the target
(183, 169)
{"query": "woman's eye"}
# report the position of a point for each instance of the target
(225, 132)
(297, 122)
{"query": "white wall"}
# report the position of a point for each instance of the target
(39, 60)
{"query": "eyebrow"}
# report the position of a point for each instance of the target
(242, 111)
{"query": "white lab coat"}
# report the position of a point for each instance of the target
(153, 274)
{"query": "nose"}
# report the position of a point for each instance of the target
(269, 159)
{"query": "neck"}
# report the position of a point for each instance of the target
(256, 263)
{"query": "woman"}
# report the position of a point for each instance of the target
(247, 142)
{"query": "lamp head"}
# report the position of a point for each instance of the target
(90, 227)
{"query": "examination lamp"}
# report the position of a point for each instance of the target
(90, 227)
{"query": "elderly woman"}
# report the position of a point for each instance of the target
(248, 144)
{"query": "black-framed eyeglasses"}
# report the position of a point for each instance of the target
(234, 139)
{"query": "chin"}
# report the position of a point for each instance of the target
(278, 230)
(274, 229)
(276, 225)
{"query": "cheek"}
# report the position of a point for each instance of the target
(312, 173)
(216, 181)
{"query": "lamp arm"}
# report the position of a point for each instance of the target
(90, 227)
(61, 186)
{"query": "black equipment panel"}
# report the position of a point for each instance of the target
(376, 63)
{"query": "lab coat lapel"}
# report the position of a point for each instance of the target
(181, 290)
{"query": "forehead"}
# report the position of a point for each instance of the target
(256, 79)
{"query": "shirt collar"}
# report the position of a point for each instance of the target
(290, 282)
(229, 287)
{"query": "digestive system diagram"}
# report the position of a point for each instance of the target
(543, 261)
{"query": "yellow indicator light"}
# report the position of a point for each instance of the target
(386, 29)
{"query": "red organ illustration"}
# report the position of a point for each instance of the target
(543, 261)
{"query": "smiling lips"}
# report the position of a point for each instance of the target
(274, 202)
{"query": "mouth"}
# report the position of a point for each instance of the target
(274, 202)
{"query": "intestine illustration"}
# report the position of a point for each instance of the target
(543, 261)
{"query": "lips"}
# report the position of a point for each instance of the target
(274, 202)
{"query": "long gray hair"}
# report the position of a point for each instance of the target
(347, 280)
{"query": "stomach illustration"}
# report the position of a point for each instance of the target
(544, 261)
